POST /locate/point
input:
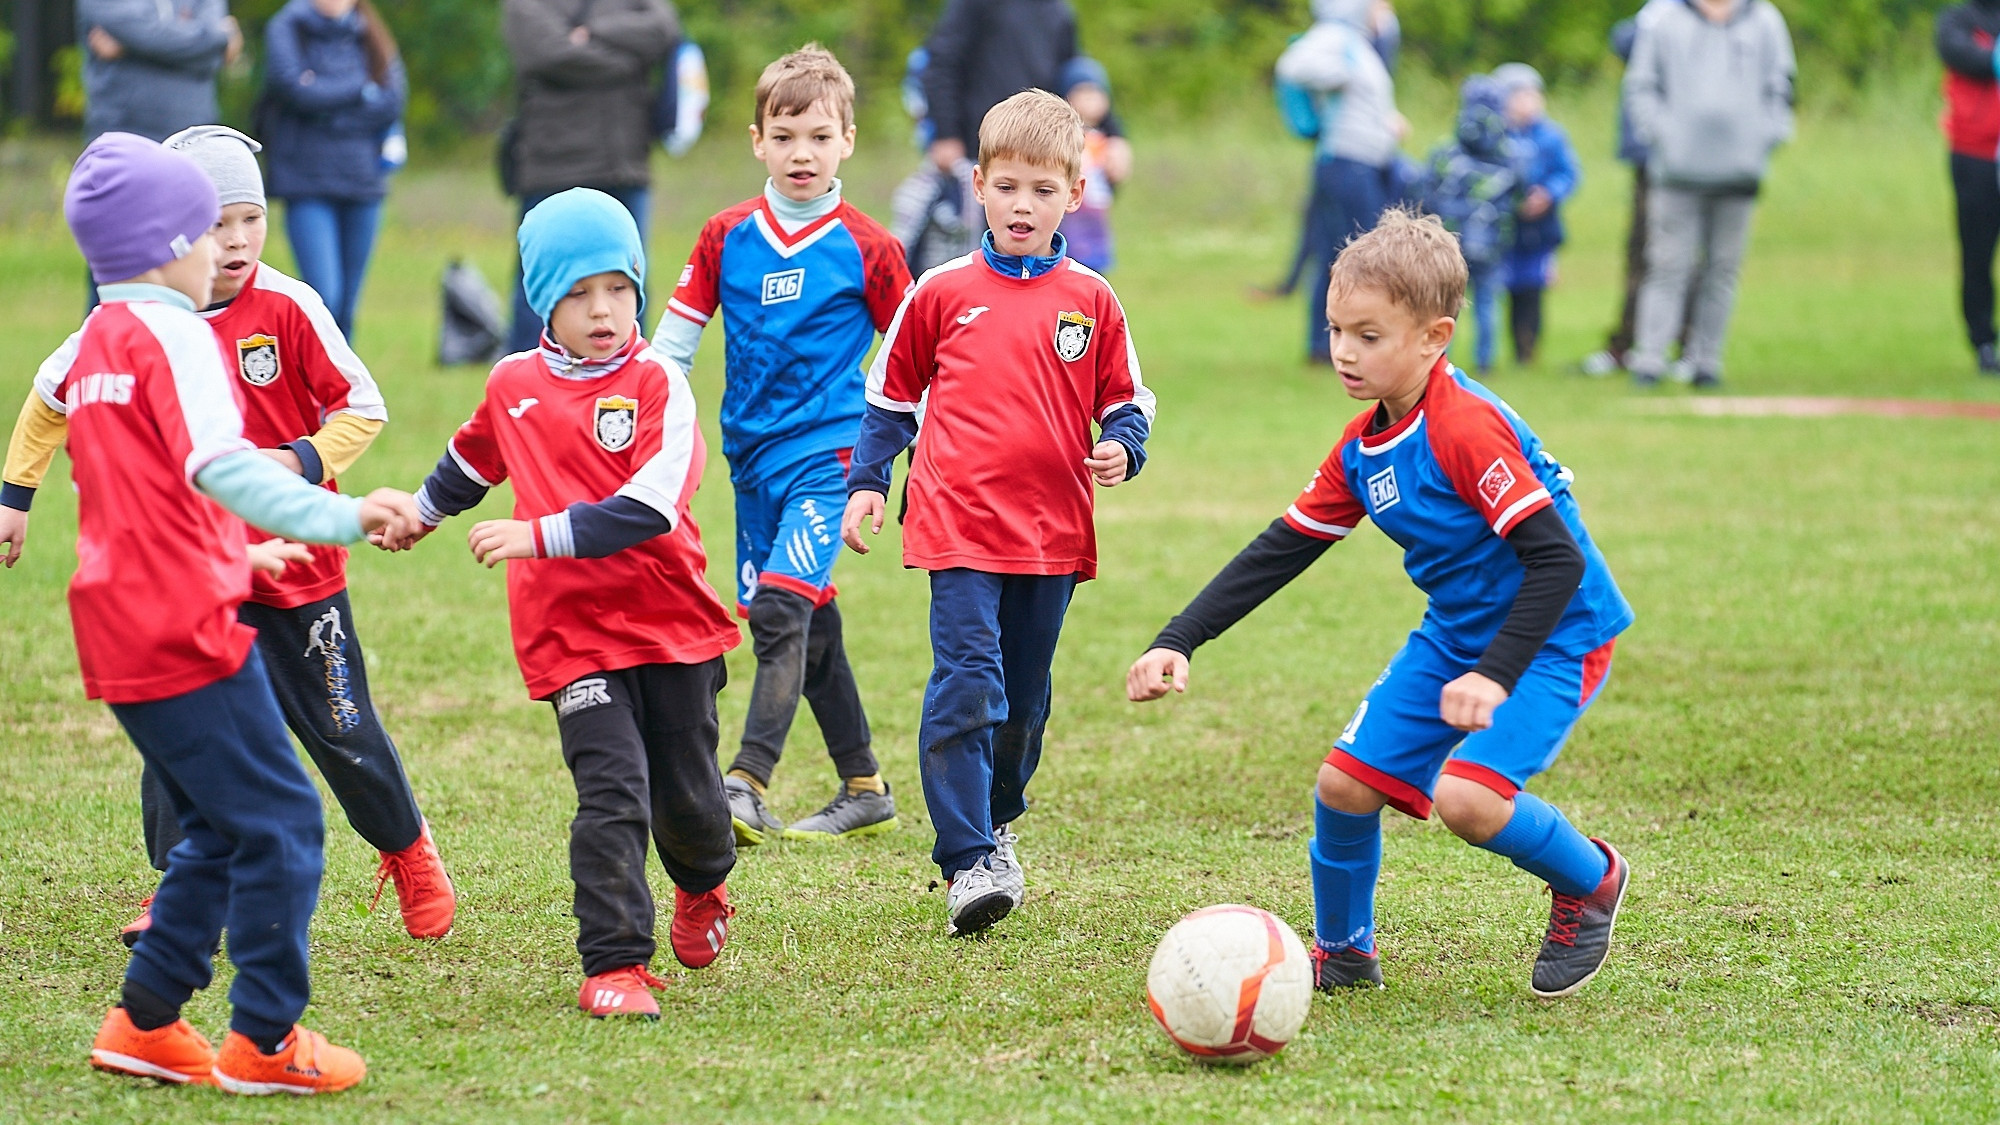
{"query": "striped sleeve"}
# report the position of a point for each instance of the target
(668, 478)
(49, 376)
(1481, 454)
(1326, 509)
(339, 381)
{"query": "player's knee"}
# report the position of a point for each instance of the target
(1473, 812)
(1340, 791)
(778, 615)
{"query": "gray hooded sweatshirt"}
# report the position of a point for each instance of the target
(1351, 87)
(1711, 100)
(165, 79)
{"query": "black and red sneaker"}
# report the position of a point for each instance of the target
(1345, 968)
(1579, 937)
(137, 927)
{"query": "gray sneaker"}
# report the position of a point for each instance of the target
(848, 816)
(747, 814)
(976, 900)
(1579, 937)
(1008, 873)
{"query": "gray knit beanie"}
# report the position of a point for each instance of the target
(227, 156)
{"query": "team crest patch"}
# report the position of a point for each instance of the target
(1382, 491)
(617, 422)
(1073, 332)
(257, 358)
(1495, 483)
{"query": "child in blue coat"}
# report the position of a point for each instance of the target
(1549, 175)
(1473, 185)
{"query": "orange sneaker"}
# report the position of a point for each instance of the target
(130, 934)
(621, 992)
(423, 891)
(701, 926)
(305, 1064)
(175, 1053)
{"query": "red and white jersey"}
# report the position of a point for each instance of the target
(630, 432)
(160, 567)
(1016, 370)
(293, 370)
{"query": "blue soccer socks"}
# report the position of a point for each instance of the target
(1541, 842)
(1346, 854)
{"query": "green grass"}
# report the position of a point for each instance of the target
(1795, 749)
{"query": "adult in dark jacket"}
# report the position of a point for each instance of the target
(584, 71)
(334, 87)
(1966, 35)
(149, 66)
(983, 52)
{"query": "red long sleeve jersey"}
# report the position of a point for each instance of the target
(1016, 371)
(292, 370)
(631, 432)
(160, 568)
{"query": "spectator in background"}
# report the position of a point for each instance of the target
(334, 89)
(1710, 87)
(1612, 358)
(1966, 35)
(1549, 175)
(149, 66)
(1107, 160)
(983, 52)
(1473, 184)
(1336, 63)
(583, 70)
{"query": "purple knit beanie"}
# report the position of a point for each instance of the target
(135, 205)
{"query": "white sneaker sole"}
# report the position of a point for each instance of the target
(259, 1089)
(137, 1068)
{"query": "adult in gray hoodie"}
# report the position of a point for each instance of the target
(1359, 128)
(1709, 89)
(149, 65)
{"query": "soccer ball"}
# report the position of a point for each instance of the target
(1230, 984)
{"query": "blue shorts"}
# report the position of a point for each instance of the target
(1397, 743)
(788, 529)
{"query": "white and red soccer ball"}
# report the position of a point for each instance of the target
(1230, 984)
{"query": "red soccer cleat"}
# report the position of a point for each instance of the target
(423, 890)
(175, 1053)
(701, 926)
(305, 1064)
(621, 992)
(137, 926)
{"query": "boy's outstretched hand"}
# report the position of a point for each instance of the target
(493, 541)
(13, 532)
(392, 513)
(1107, 463)
(273, 555)
(1468, 702)
(862, 507)
(1155, 672)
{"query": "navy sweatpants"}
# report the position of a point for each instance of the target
(251, 854)
(993, 639)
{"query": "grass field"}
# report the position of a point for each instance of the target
(1796, 749)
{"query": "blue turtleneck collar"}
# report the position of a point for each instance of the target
(1022, 266)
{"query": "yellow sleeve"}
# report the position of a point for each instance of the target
(341, 442)
(38, 433)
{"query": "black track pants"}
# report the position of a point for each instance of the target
(800, 653)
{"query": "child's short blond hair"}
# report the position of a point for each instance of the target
(1410, 257)
(805, 78)
(1034, 127)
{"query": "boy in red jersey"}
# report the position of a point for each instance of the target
(614, 624)
(1013, 353)
(165, 482)
(804, 280)
(309, 403)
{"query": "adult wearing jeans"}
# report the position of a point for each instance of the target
(1336, 62)
(1966, 36)
(584, 72)
(334, 87)
(1710, 92)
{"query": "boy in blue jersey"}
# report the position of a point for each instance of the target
(805, 281)
(1514, 645)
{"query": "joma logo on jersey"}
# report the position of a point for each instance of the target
(616, 423)
(100, 387)
(582, 694)
(785, 286)
(257, 359)
(1382, 490)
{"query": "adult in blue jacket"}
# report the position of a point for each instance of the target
(334, 88)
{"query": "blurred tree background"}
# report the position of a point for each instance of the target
(1170, 59)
